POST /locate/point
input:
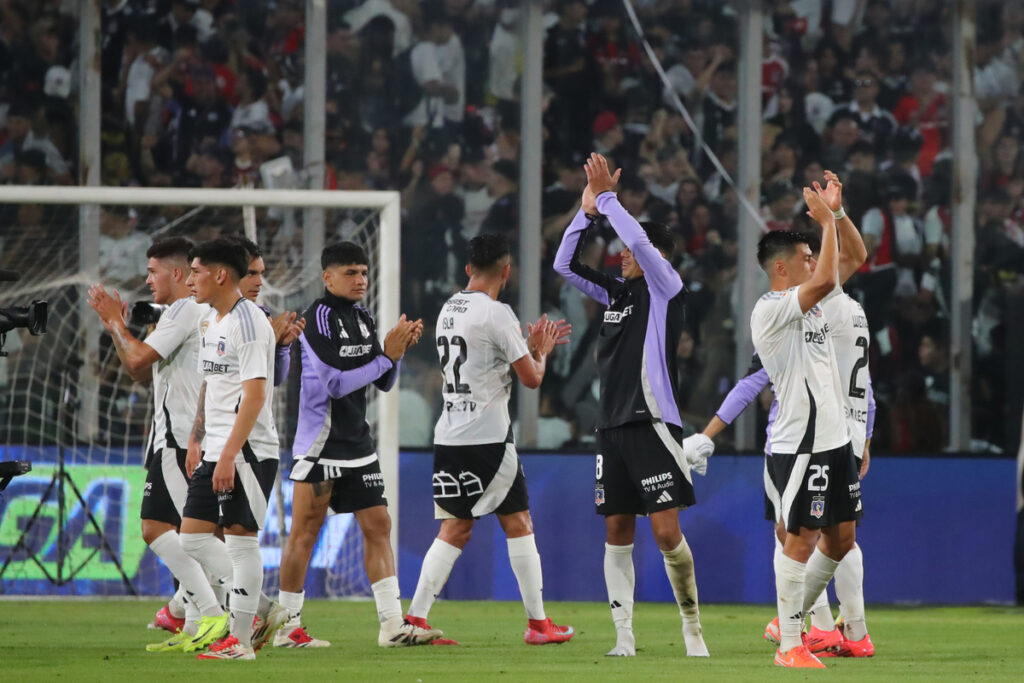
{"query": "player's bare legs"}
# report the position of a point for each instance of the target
(620, 580)
(379, 560)
(309, 508)
(681, 575)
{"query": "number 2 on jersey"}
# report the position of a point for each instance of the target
(445, 344)
(862, 362)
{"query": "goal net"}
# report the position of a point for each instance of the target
(68, 407)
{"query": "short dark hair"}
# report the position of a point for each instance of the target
(179, 247)
(661, 237)
(251, 248)
(222, 251)
(487, 250)
(343, 254)
(777, 242)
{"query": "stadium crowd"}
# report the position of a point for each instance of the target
(423, 98)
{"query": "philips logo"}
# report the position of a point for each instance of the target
(656, 479)
(617, 316)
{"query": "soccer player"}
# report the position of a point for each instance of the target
(233, 447)
(812, 465)
(642, 468)
(336, 464)
(168, 356)
(476, 467)
(848, 325)
(287, 325)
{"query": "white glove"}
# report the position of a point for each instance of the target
(697, 449)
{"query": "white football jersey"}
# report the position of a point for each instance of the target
(798, 353)
(478, 339)
(236, 348)
(175, 380)
(851, 339)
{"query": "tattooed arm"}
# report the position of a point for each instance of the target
(195, 439)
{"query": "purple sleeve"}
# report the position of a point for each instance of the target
(342, 382)
(282, 363)
(871, 409)
(388, 379)
(567, 261)
(742, 395)
(661, 277)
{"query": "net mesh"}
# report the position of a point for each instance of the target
(64, 397)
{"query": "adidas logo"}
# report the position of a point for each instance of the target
(664, 498)
(615, 603)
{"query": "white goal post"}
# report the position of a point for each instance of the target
(384, 264)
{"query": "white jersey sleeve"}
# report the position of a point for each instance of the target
(508, 334)
(174, 327)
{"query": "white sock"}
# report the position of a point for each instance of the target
(525, 561)
(246, 583)
(789, 589)
(820, 569)
(387, 597)
(210, 552)
(293, 603)
(169, 547)
(821, 613)
(620, 580)
(850, 592)
(221, 586)
(191, 617)
(263, 609)
(437, 566)
(176, 605)
(679, 568)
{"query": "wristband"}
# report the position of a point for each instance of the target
(840, 214)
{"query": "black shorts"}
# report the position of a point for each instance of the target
(352, 488)
(473, 481)
(246, 505)
(637, 472)
(166, 486)
(771, 494)
(817, 490)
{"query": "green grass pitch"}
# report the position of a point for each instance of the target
(103, 641)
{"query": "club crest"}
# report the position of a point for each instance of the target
(818, 507)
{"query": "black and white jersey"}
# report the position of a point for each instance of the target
(175, 380)
(234, 349)
(477, 340)
(799, 355)
(848, 326)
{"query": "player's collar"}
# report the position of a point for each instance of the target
(335, 301)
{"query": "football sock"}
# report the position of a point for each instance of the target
(211, 553)
(191, 617)
(850, 592)
(820, 569)
(789, 589)
(263, 609)
(437, 566)
(620, 581)
(293, 603)
(525, 561)
(247, 580)
(821, 614)
(386, 595)
(679, 568)
(176, 605)
(170, 547)
(220, 588)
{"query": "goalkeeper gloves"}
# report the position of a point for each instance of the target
(697, 449)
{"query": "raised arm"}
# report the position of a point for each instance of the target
(826, 276)
(852, 251)
(572, 269)
(137, 358)
(661, 277)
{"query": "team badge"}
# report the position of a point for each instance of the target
(222, 347)
(599, 495)
(818, 507)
